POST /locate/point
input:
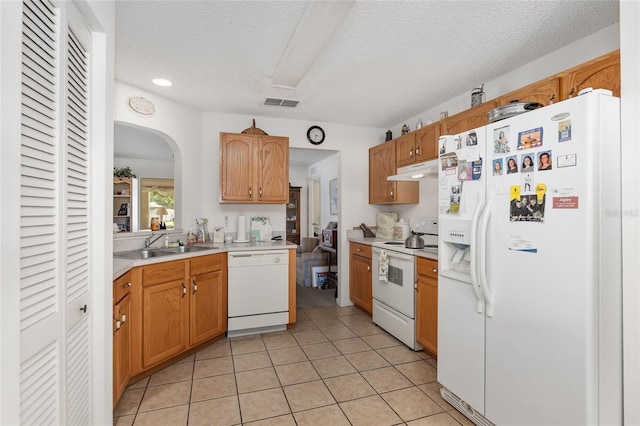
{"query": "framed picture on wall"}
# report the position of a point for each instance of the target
(333, 196)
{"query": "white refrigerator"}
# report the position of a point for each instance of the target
(529, 287)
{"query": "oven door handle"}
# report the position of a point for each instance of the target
(395, 254)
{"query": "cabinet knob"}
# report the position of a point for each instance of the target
(118, 324)
(358, 249)
(434, 270)
(184, 290)
(126, 285)
(84, 309)
(195, 286)
(368, 267)
(260, 192)
(250, 192)
(123, 316)
(411, 153)
(417, 152)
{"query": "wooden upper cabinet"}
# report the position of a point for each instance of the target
(418, 146)
(467, 120)
(405, 149)
(543, 92)
(427, 142)
(382, 159)
(273, 170)
(254, 168)
(236, 167)
(600, 73)
(382, 163)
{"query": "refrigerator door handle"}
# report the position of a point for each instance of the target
(475, 283)
(484, 223)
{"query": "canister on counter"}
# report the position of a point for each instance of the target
(401, 229)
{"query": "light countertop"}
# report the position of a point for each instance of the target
(121, 266)
(370, 241)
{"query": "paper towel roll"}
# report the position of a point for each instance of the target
(242, 229)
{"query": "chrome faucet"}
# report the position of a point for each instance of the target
(148, 241)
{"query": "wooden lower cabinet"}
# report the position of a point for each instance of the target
(121, 336)
(360, 276)
(427, 304)
(165, 321)
(208, 299)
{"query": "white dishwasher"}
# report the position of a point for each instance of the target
(258, 291)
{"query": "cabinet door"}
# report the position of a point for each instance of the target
(427, 305)
(208, 310)
(273, 170)
(543, 91)
(165, 321)
(361, 278)
(600, 73)
(382, 163)
(406, 150)
(467, 120)
(237, 162)
(427, 143)
(121, 347)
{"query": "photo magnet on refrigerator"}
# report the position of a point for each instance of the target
(564, 131)
(568, 160)
(530, 138)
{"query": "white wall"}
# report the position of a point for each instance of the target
(597, 44)
(630, 108)
(146, 168)
(180, 126)
(326, 170)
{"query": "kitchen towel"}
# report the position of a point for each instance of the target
(383, 266)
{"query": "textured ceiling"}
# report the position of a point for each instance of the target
(389, 60)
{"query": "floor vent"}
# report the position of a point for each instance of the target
(281, 102)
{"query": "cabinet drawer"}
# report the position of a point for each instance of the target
(121, 287)
(203, 264)
(361, 250)
(163, 272)
(427, 267)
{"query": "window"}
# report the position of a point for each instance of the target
(157, 200)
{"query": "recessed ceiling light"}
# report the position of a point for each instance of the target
(162, 82)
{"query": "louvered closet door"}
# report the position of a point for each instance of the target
(55, 384)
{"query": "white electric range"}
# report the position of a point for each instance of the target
(394, 303)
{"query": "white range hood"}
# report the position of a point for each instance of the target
(428, 169)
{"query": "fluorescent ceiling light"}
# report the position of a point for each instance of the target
(317, 25)
(162, 82)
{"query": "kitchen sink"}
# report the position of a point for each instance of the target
(142, 254)
(186, 249)
(156, 252)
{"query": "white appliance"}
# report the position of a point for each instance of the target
(258, 291)
(529, 315)
(394, 294)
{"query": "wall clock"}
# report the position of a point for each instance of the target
(316, 135)
(141, 105)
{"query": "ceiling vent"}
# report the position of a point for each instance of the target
(281, 102)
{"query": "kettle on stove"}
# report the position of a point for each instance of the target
(414, 241)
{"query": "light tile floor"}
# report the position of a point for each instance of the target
(335, 367)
